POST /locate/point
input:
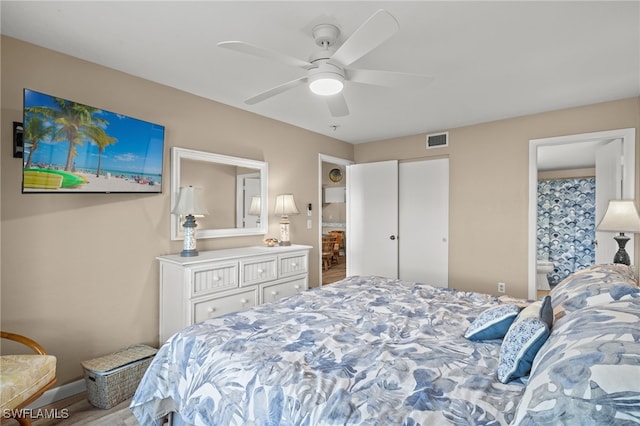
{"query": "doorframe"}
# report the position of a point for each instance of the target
(324, 158)
(240, 194)
(628, 137)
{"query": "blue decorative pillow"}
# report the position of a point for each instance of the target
(546, 311)
(492, 323)
(525, 337)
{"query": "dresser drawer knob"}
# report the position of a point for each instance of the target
(211, 309)
(260, 271)
(243, 301)
(294, 264)
(297, 287)
(274, 293)
(216, 278)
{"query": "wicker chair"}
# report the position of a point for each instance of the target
(24, 378)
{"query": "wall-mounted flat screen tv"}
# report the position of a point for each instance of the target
(70, 147)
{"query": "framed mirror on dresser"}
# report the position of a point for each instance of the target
(234, 191)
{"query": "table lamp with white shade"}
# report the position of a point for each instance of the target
(621, 216)
(189, 204)
(285, 205)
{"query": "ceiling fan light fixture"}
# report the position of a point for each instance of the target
(326, 86)
(326, 80)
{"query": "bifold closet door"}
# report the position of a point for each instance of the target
(424, 221)
(372, 219)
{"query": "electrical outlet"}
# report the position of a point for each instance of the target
(502, 287)
(309, 224)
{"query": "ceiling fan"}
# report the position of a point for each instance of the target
(328, 68)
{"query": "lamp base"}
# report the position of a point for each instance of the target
(621, 255)
(188, 253)
(284, 231)
(189, 246)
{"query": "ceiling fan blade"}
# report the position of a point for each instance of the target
(276, 90)
(388, 78)
(375, 31)
(250, 49)
(337, 105)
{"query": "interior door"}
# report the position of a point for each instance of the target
(424, 221)
(608, 187)
(248, 187)
(372, 219)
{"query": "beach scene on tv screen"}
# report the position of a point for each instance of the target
(72, 147)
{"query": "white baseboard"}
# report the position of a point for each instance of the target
(59, 393)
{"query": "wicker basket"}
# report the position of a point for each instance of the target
(114, 378)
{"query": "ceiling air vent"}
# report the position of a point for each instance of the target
(438, 140)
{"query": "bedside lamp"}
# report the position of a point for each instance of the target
(255, 209)
(285, 205)
(189, 204)
(621, 216)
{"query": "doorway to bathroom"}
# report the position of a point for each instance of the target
(566, 223)
(610, 158)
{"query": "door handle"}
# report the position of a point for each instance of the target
(393, 237)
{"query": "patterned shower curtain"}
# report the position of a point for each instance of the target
(566, 225)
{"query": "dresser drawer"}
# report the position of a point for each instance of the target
(213, 278)
(218, 282)
(272, 292)
(221, 305)
(292, 264)
(258, 270)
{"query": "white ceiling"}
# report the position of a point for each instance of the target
(579, 155)
(489, 60)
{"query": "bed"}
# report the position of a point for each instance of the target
(376, 351)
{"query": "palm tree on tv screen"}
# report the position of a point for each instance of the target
(73, 123)
(102, 140)
(35, 131)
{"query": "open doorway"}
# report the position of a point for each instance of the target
(562, 152)
(332, 218)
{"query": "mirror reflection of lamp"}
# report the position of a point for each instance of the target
(189, 204)
(255, 209)
(285, 205)
(621, 216)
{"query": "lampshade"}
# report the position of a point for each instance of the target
(254, 208)
(190, 202)
(285, 205)
(621, 216)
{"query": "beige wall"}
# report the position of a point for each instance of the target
(333, 212)
(489, 166)
(78, 271)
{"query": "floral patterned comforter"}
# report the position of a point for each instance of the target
(365, 350)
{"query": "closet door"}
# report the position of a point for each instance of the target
(424, 221)
(372, 219)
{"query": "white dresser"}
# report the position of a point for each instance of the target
(217, 282)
